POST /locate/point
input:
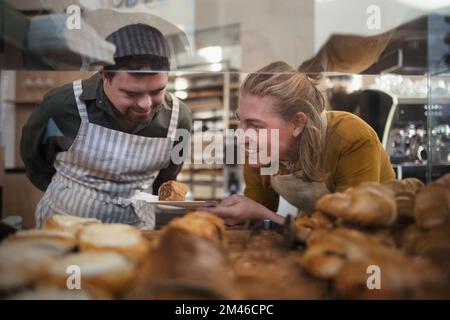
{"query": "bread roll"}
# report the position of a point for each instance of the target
(108, 271)
(172, 191)
(68, 223)
(23, 262)
(202, 224)
(121, 238)
(53, 239)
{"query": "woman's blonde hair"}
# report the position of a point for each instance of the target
(294, 92)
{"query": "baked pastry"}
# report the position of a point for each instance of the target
(401, 277)
(110, 271)
(404, 192)
(55, 293)
(409, 184)
(68, 223)
(409, 235)
(329, 250)
(368, 204)
(172, 191)
(185, 266)
(432, 205)
(444, 180)
(303, 226)
(431, 241)
(121, 238)
(53, 239)
(202, 224)
(22, 263)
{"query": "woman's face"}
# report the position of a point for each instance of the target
(256, 113)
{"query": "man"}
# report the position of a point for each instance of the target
(94, 144)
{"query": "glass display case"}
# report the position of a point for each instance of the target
(385, 61)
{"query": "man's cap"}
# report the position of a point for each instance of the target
(139, 39)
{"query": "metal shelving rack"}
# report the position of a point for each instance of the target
(214, 85)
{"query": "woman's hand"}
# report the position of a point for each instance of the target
(237, 209)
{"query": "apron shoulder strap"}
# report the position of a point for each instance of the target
(171, 132)
(77, 90)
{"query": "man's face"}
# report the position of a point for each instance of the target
(136, 96)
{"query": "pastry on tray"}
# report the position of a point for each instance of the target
(172, 191)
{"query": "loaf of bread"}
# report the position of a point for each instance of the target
(172, 191)
(367, 204)
(120, 238)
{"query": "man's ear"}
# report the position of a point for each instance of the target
(299, 122)
(104, 77)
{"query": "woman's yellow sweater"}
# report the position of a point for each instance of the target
(353, 154)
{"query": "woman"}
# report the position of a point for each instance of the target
(320, 151)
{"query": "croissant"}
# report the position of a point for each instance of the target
(404, 192)
(303, 226)
(367, 204)
(432, 205)
(329, 250)
(401, 277)
(409, 184)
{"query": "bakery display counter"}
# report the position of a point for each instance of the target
(373, 241)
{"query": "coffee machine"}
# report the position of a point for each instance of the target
(417, 135)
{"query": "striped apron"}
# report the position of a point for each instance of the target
(104, 169)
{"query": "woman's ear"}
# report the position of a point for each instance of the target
(299, 122)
